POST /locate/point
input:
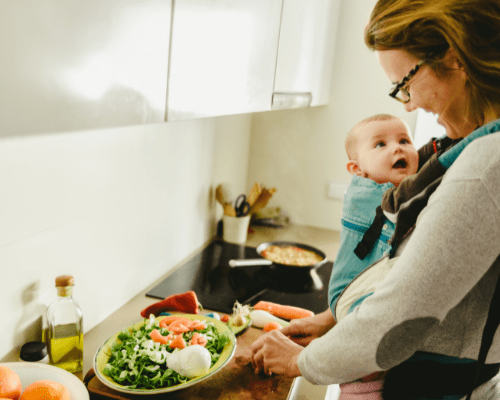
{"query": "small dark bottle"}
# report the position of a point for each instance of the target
(35, 352)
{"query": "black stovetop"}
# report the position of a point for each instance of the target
(217, 285)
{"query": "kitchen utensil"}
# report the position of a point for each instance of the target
(223, 193)
(254, 194)
(224, 197)
(30, 372)
(241, 206)
(262, 200)
(219, 196)
(102, 356)
(229, 210)
(281, 267)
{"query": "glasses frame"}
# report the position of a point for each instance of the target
(399, 86)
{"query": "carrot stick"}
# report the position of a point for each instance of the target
(271, 326)
(285, 312)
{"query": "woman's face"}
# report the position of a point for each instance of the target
(444, 95)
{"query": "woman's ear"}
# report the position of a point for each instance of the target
(452, 61)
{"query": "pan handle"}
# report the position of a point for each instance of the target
(249, 262)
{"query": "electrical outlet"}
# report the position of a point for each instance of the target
(336, 190)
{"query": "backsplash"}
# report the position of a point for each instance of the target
(116, 208)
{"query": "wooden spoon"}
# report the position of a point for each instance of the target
(254, 194)
(262, 200)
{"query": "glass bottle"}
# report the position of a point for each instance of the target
(65, 328)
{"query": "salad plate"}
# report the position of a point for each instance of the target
(104, 355)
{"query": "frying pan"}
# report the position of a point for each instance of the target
(278, 266)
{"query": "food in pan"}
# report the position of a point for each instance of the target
(291, 255)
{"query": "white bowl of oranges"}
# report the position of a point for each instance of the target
(36, 381)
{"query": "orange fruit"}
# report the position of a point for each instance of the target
(10, 384)
(45, 390)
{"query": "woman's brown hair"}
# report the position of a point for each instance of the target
(428, 28)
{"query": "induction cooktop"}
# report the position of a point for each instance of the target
(218, 286)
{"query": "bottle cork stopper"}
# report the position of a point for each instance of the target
(65, 280)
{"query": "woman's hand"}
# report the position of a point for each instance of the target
(274, 352)
(304, 330)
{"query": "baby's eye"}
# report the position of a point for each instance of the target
(404, 141)
(379, 144)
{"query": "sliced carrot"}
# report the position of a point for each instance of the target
(271, 326)
(168, 320)
(156, 336)
(198, 339)
(179, 327)
(285, 312)
(196, 324)
(225, 319)
(178, 342)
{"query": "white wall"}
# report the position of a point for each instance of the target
(299, 151)
(116, 208)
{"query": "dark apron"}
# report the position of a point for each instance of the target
(433, 380)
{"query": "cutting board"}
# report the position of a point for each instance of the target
(234, 382)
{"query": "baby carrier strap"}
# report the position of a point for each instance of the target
(371, 235)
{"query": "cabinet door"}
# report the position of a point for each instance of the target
(305, 54)
(223, 57)
(72, 64)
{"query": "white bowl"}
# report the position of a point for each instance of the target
(30, 372)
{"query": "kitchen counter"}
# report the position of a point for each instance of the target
(326, 240)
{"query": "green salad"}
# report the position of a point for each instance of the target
(139, 362)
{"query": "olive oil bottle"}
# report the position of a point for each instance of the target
(65, 328)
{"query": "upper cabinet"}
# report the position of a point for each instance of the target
(305, 53)
(222, 57)
(72, 64)
(230, 57)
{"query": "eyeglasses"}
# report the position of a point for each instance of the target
(400, 93)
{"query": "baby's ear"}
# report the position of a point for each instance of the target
(353, 168)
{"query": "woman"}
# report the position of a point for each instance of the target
(425, 322)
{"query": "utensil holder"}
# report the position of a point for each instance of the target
(235, 229)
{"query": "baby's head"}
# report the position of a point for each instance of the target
(380, 148)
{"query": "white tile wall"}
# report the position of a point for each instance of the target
(116, 208)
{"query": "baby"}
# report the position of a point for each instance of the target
(381, 154)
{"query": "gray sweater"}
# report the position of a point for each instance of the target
(437, 294)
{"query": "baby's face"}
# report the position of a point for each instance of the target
(385, 152)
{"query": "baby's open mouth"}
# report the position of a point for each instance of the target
(400, 164)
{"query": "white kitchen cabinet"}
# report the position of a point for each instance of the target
(72, 64)
(222, 57)
(305, 53)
